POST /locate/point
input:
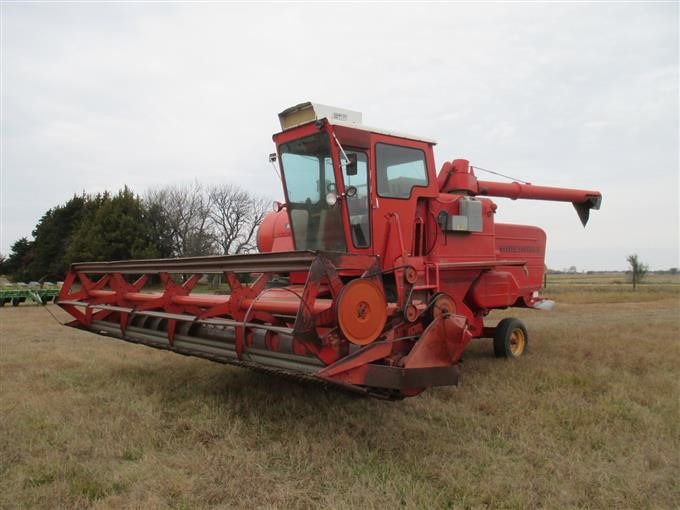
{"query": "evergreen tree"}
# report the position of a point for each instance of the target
(159, 228)
(118, 229)
(18, 261)
(52, 236)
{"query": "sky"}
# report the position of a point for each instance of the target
(96, 96)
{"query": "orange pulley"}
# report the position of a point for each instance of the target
(410, 274)
(362, 311)
(443, 305)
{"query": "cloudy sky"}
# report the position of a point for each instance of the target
(98, 95)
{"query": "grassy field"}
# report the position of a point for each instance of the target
(590, 418)
(611, 288)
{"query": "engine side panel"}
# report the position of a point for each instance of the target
(526, 243)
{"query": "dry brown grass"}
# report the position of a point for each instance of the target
(588, 419)
(611, 288)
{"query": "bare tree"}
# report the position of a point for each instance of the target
(203, 220)
(235, 215)
(638, 269)
(187, 211)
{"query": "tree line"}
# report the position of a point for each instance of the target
(169, 221)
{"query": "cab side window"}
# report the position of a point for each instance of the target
(399, 170)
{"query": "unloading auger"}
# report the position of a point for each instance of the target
(373, 276)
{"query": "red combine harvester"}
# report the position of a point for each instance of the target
(374, 275)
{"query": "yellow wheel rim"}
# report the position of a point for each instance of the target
(518, 342)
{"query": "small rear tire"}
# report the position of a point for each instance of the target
(510, 339)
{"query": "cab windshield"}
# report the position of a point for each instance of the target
(308, 176)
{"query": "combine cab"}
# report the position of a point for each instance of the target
(374, 275)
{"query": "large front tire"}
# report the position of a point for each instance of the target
(510, 339)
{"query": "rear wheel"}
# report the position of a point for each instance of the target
(510, 339)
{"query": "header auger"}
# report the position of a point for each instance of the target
(374, 275)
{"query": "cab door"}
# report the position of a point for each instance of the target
(403, 173)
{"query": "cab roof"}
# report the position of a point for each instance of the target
(304, 113)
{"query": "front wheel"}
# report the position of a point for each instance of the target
(510, 339)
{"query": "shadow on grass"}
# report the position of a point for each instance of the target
(235, 391)
(188, 382)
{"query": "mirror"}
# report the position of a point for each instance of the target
(351, 190)
(278, 206)
(331, 199)
(351, 168)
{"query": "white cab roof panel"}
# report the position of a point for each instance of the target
(308, 112)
